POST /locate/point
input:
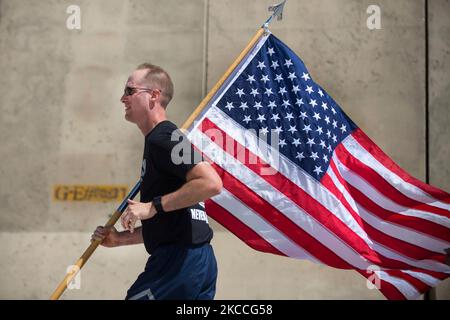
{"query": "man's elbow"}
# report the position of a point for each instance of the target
(211, 182)
(215, 186)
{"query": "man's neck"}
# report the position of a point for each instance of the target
(151, 123)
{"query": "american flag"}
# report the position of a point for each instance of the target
(302, 180)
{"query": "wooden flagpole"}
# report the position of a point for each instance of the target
(277, 11)
(94, 244)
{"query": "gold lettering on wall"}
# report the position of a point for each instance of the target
(89, 193)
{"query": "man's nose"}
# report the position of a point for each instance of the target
(122, 98)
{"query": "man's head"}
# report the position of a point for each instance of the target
(147, 93)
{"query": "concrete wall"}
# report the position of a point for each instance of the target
(439, 111)
(61, 122)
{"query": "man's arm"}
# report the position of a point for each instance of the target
(202, 182)
(128, 238)
(112, 238)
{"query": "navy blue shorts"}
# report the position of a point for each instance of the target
(175, 272)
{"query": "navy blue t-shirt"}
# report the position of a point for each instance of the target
(164, 167)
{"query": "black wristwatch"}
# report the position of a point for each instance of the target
(157, 203)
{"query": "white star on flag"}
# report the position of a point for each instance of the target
(251, 79)
(288, 63)
(261, 65)
(229, 106)
(305, 76)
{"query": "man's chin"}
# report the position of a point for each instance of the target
(128, 118)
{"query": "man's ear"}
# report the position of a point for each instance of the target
(154, 96)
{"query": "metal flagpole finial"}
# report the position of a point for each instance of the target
(277, 12)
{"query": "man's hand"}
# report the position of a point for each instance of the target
(136, 211)
(108, 235)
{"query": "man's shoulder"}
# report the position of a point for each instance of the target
(161, 131)
(165, 132)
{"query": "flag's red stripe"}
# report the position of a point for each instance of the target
(239, 229)
(384, 187)
(401, 246)
(338, 175)
(310, 205)
(378, 154)
(280, 222)
(328, 183)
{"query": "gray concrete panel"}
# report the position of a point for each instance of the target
(439, 86)
(439, 103)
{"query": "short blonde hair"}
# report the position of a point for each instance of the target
(158, 78)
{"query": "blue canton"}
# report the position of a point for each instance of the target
(276, 95)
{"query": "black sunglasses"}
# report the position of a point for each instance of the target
(128, 91)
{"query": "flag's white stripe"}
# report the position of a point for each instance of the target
(403, 286)
(237, 73)
(431, 265)
(425, 278)
(408, 189)
(282, 203)
(265, 230)
(292, 172)
(341, 188)
(405, 234)
(380, 199)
